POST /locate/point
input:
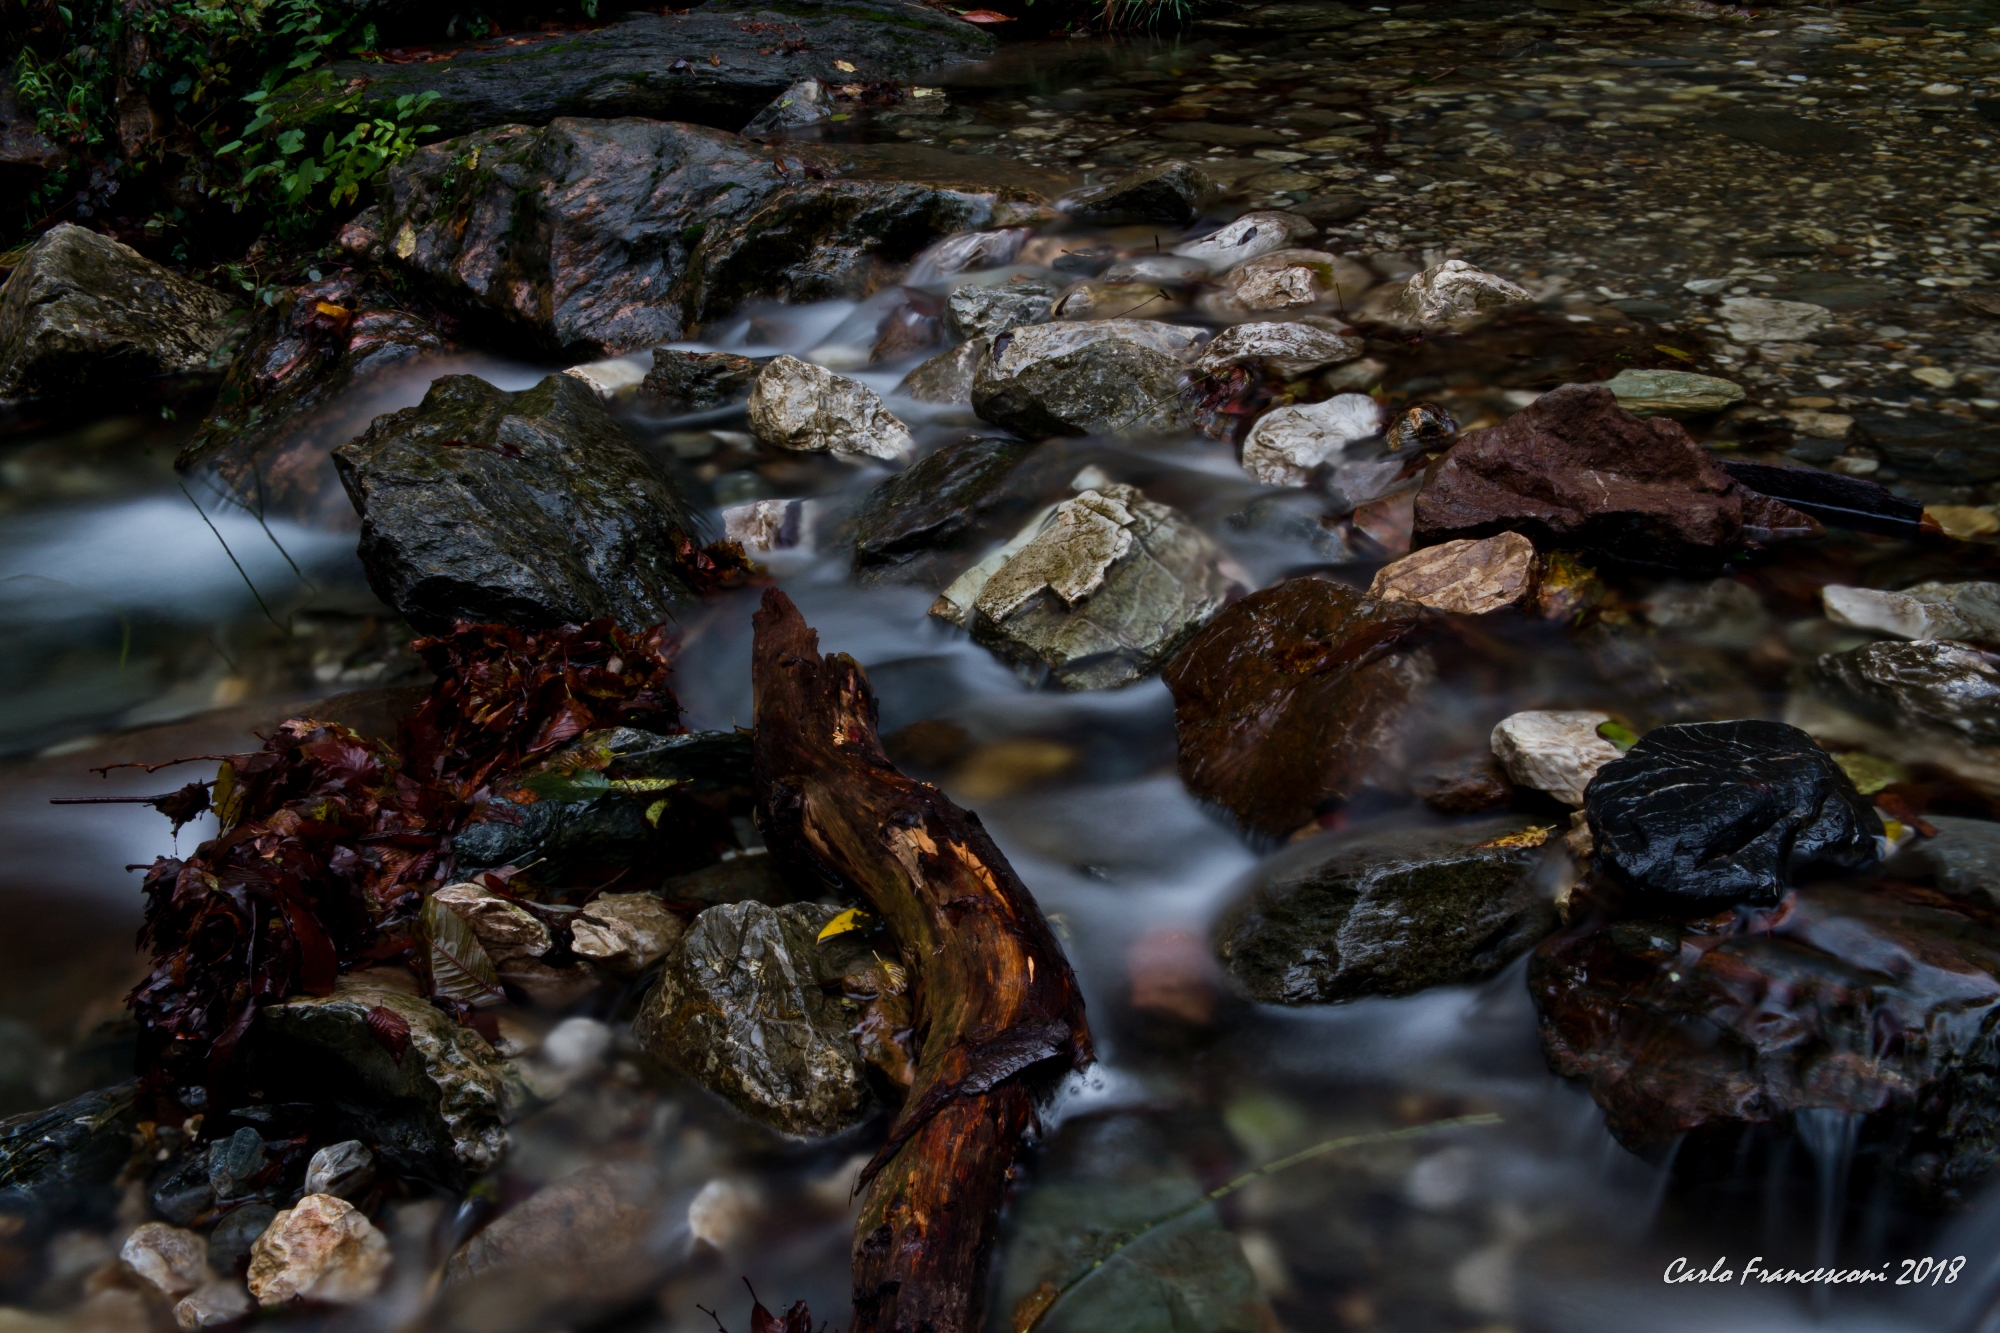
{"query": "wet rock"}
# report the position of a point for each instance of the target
(625, 933)
(1455, 289)
(596, 238)
(230, 1243)
(1289, 349)
(698, 381)
(1672, 393)
(1932, 446)
(234, 1162)
(763, 526)
(968, 252)
(1962, 858)
(580, 823)
(217, 1301)
(82, 315)
(585, 1236)
(1467, 578)
(806, 408)
(1705, 815)
(1176, 193)
(1558, 753)
(1287, 280)
(1933, 684)
(807, 102)
(1749, 1018)
(173, 1260)
(1247, 237)
(344, 1170)
(321, 1249)
(295, 391)
(1286, 444)
(1298, 520)
(947, 378)
(1294, 699)
(529, 507)
(1388, 912)
(714, 64)
(739, 1010)
(447, 1099)
(907, 526)
(1929, 610)
(1575, 470)
(1098, 594)
(979, 310)
(1757, 319)
(1091, 377)
(1847, 502)
(1466, 785)
(62, 1161)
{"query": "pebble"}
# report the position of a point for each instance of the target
(1558, 753)
(1248, 237)
(1757, 319)
(808, 409)
(1672, 393)
(624, 932)
(320, 1249)
(344, 1170)
(218, 1301)
(1465, 577)
(1454, 290)
(173, 1259)
(722, 1213)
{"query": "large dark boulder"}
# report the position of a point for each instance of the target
(63, 1161)
(1573, 470)
(1874, 1000)
(715, 64)
(593, 238)
(1294, 699)
(82, 314)
(1388, 912)
(1701, 816)
(285, 403)
(531, 508)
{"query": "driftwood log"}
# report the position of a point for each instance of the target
(997, 1016)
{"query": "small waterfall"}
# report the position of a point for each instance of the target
(1829, 1136)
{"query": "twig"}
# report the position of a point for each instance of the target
(105, 770)
(234, 561)
(1230, 1187)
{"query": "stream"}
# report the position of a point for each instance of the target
(148, 617)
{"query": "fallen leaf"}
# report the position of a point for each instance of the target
(851, 920)
(390, 1029)
(844, 66)
(458, 965)
(985, 16)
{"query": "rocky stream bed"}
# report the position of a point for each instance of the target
(1339, 671)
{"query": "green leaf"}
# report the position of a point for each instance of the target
(257, 96)
(1618, 734)
(458, 966)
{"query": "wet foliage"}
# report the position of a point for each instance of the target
(329, 843)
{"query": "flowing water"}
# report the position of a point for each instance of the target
(1568, 146)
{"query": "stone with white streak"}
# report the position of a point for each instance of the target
(1287, 443)
(1455, 289)
(1464, 577)
(1759, 319)
(1290, 348)
(1926, 611)
(624, 932)
(1558, 753)
(806, 408)
(320, 1249)
(173, 1259)
(1248, 237)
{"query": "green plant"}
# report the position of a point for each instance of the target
(343, 163)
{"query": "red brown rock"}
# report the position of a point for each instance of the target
(1292, 699)
(1574, 470)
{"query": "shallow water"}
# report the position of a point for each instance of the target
(148, 623)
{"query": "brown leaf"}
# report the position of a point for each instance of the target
(391, 1029)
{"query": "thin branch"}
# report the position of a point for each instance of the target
(234, 561)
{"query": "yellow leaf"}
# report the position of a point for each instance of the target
(655, 810)
(1674, 352)
(645, 784)
(1028, 1311)
(852, 919)
(844, 66)
(1532, 836)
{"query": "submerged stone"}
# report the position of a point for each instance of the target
(698, 381)
(1455, 289)
(1249, 236)
(1286, 444)
(1931, 610)
(739, 1009)
(1930, 685)
(1176, 193)
(1294, 699)
(1096, 595)
(529, 508)
(82, 315)
(906, 525)
(1702, 816)
(1388, 912)
(1745, 1018)
(1672, 393)
(1574, 470)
